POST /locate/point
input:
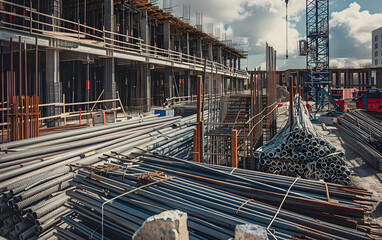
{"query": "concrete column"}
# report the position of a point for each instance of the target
(199, 51)
(167, 35)
(298, 79)
(168, 83)
(187, 84)
(109, 64)
(220, 58)
(54, 10)
(145, 86)
(109, 81)
(54, 89)
(359, 83)
(186, 43)
(210, 54)
(109, 15)
(238, 63)
(144, 25)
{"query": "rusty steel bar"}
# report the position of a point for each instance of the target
(203, 84)
(291, 109)
(2, 91)
(234, 162)
(20, 67)
(20, 101)
(36, 68)
(197, 133)
(35, 98)
(10, 93)
(201, 141)
(199, 92)
(26, 118)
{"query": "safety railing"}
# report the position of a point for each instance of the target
(28, 19)
(190, 99)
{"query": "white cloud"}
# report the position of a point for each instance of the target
(260, 21)
(359, 24)
(278, 7)
(263, 21)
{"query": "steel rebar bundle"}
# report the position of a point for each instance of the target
(213, 199)
(363, 133)
(61, 194)
(299, 150)
(35, 175)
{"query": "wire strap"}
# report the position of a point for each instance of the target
(242, 205)
(278, 210)
(131, 191)
(232, 171)
(123, 177)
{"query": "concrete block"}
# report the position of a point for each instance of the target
(250, 232)
(168, 225)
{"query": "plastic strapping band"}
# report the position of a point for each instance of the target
(278, 210)
(123, 194)
(242, 205)
(232, 171)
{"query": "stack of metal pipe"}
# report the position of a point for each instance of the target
(35, 173)
(299, 150)
(363, 133)
(215, 198)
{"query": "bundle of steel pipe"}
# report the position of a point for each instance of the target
(363, 133)
(36, 174)
(213, 200)
(298, 150)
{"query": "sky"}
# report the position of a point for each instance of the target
(257, 22)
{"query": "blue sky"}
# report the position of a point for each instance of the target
(262, 21)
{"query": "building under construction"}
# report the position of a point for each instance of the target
(121, 121)
(68, 52)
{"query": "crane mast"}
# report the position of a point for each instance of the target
(317, 32)
(316, 49)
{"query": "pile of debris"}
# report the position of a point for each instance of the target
(298, 150)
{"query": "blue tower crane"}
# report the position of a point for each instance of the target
(316, 50)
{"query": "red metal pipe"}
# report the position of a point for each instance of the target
(2, 91)
(26, 118)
